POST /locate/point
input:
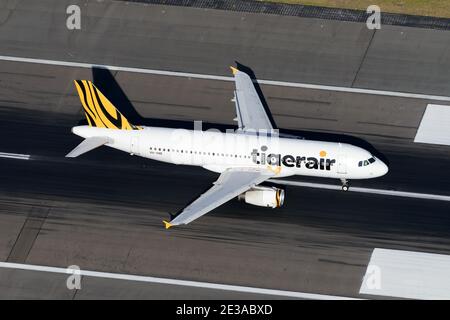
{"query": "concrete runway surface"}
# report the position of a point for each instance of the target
(103, 211)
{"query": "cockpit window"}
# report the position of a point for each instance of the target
(366, 162)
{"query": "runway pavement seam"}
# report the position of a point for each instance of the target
(28, 233)
(363, 57)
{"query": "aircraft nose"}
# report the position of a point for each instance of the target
(382, 168)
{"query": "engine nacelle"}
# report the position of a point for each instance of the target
(263, 197)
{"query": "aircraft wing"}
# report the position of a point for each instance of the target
(250, 111)
(230, 184)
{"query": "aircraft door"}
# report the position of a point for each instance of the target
(135, 144)
(342, 164)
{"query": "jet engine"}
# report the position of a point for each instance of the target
(263, 196)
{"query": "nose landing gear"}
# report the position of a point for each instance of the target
(345, 184)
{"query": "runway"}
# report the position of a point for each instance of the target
(103, 211)
(282, 48)
(138, 286)
(109, 205)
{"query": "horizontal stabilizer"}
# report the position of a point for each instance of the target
(87, 145)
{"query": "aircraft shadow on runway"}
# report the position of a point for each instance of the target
(106, 82)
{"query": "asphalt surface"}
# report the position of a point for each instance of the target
(208, 41)
(53, 286)
(103, 211)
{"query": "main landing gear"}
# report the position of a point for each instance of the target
(345, 185)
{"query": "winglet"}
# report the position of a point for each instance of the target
(167, 225)
(234, 70)
(274, 169)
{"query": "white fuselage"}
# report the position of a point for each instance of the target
(217, 151)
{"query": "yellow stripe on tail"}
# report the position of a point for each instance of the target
(99, 111)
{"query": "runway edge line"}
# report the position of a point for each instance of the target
(168, 281)
(224, 78)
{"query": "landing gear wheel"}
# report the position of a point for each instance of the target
(345, 185)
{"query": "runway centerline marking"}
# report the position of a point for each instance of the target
(224, 78)
(168, 281)
(394, 193)
(15, 156)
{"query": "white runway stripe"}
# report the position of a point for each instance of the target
(197, 284)
(223, 78)
(365, 190)
(435, 125)
(15, 156)
(407, 274)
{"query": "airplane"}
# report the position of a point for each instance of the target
(245, 158)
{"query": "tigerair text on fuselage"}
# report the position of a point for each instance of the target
(290, 161)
